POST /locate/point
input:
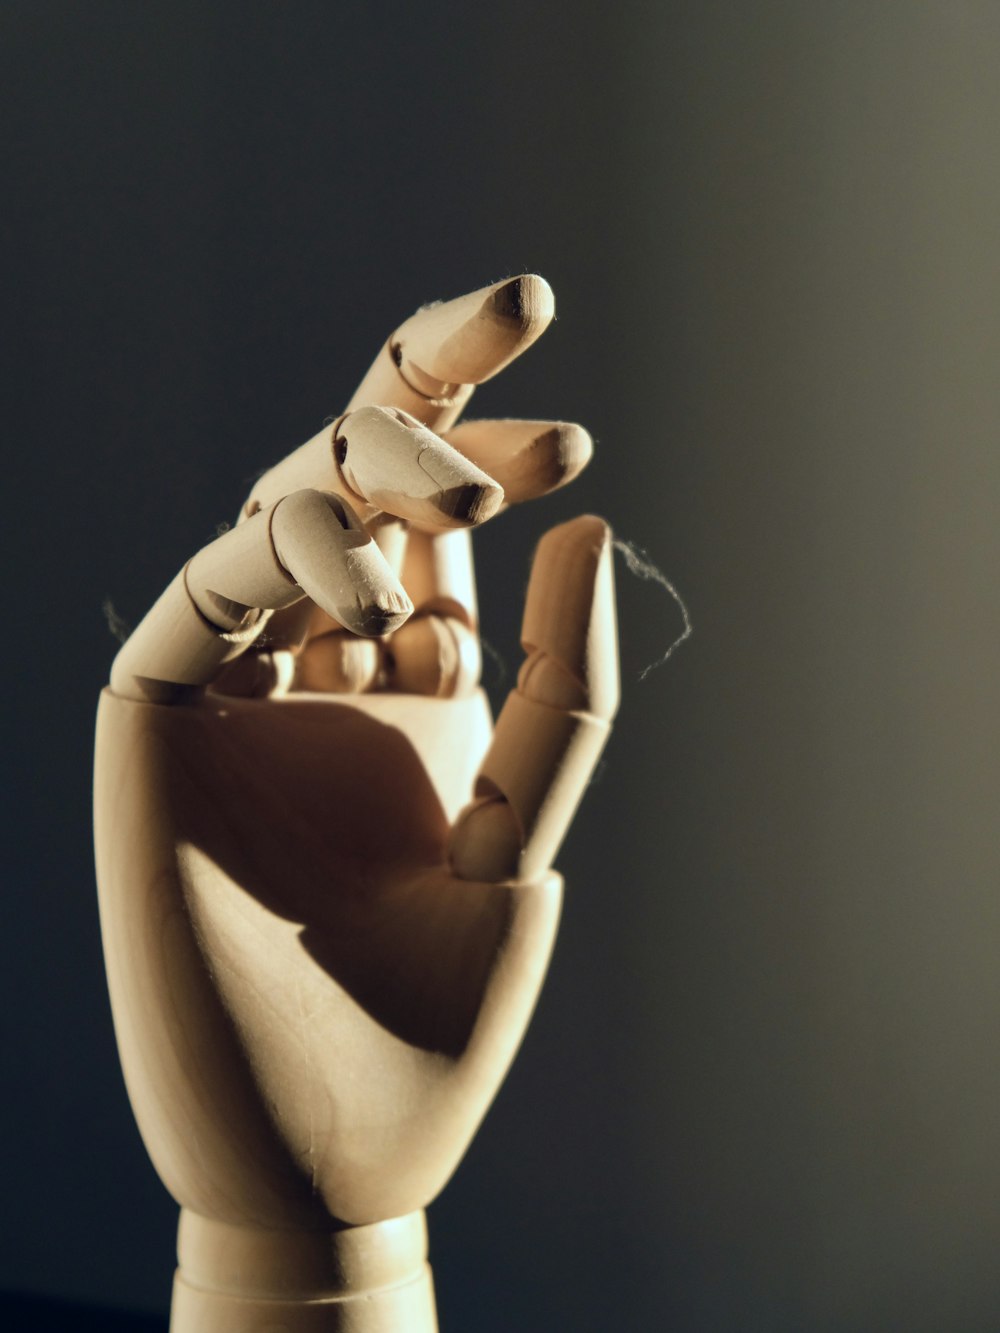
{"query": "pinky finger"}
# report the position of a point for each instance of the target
(554, 725)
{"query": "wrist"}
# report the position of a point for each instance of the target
(367, 1279)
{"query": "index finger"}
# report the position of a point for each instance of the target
(434, 360)
(429, 368)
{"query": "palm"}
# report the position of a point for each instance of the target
(349, 969)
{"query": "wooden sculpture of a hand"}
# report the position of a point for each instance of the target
(326, 892)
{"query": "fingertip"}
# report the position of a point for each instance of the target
(526, 301)
(572, 448)
(569, 626)
(376, 619)
(327, 552)
(584, 538)
(472, 338)
(527, 458)
(393, 462)
(469, 504)
(553, 458)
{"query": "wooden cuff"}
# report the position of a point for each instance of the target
(368, 1279)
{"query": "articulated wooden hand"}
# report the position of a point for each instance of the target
(325, 887)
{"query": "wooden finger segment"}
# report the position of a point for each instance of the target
(311, 466)
(553, 726)
(470, 339)
(570, 630)
(385, 384)
(339, 662)
(238, 571)
(326, 550)
(432, 362)
(209, 614)
(440, 655)
(539, 766)
(263, 672)
(398, 466)
(384, 461)
(175, 649)
(438, 574)
(308, 543)
(433, 655)
(527, 458)
(390, 535)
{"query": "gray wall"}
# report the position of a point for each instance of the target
(762, 1086)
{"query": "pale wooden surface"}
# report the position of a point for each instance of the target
(325, 885)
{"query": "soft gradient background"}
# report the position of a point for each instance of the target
(762, 1089)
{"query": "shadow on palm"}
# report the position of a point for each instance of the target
(351, 849)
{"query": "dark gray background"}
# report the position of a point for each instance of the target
(762, 1089)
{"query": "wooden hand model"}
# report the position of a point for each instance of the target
(325, 889)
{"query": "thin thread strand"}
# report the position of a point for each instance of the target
(116, 623)
(637, 562)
